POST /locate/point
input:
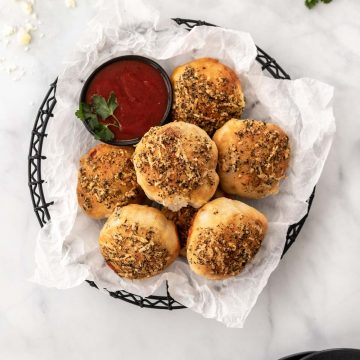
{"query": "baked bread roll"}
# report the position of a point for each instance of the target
(207, 93)
(137, 241)
(106, 179)
(225, 235)
(253, 157)
(175, 165)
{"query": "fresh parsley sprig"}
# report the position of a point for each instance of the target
(100, 107)
(311, 3)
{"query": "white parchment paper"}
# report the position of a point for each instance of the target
(67, 250)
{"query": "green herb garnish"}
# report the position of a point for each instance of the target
(100, 107)
(311, 3)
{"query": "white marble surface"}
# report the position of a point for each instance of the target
(312, 299)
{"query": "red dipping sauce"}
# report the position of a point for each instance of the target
(141, 93)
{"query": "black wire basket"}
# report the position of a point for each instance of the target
(41, 205)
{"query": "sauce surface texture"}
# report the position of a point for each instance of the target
(141, 93)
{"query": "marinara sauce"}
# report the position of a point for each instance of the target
(141, 93)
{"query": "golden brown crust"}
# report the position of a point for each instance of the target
(225, 235)
(253, 157)
(138, 242)
(175, 165)
(106, 179)
(207, 93)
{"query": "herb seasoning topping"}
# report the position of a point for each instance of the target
(205, 101)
